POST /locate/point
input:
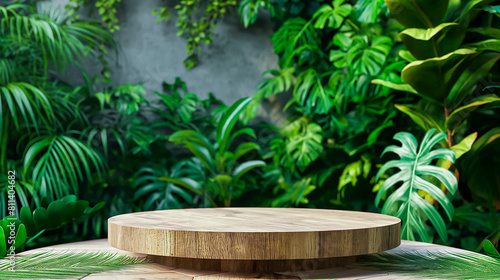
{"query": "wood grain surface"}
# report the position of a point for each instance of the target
(254, 233)
(157, 271)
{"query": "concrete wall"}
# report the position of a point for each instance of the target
(231, 67)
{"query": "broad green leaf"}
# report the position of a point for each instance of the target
(474, 69)
(27, 218)
(459, 115)
(418, 13)
(306, 146)
(368, 57)
(490, 249)
(415, 166)
(368, 10)
(422, 118)
(333, 15)
(20, 236)
(433, 42)
(479, 168)
(3, 244)
(432, 78)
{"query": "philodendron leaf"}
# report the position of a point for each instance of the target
(432, 78)
(418, 13)
(415, 165)
(433, 42)
(459, 115)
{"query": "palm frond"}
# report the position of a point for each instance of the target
(58, 41)
(26, 104)
(432, 264)
(66, 264)
(60, 162)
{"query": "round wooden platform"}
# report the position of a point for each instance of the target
(254, 239)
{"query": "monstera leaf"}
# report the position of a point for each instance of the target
(415, 171)
(307, 146)
(333, 14)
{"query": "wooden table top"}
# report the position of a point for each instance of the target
(254, 233)
(157, 271)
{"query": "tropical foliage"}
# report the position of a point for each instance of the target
(416, 174)
(353, 73)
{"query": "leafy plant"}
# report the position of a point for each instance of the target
(36, 112)
(415, 175)
(197, 28)
(12, 236)
(223, 169)
(450, 54)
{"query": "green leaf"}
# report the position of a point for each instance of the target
(460, 114)
(20, 236)
(433, 42)
(432, 78)
(228, 121)
(368, 10)
(310, 93)
(3, 244)
(418, 13)
(415, 164)
(334, 14)
(244, 167)
(188, 136)
(27, 218)
(368, 57)
(245, 148)
(476, 68)
(465, 145)
(400, 87)
(306, 146)
(490, 249)
(479, 168)
(282, 81)
(420, 117)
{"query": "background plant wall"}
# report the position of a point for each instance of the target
(364, 126)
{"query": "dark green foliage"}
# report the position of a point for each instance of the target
(224, 169)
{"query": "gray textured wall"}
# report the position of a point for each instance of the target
(149, 53)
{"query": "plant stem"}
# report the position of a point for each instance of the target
(448, 132)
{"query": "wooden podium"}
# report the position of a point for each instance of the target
(254, 239)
